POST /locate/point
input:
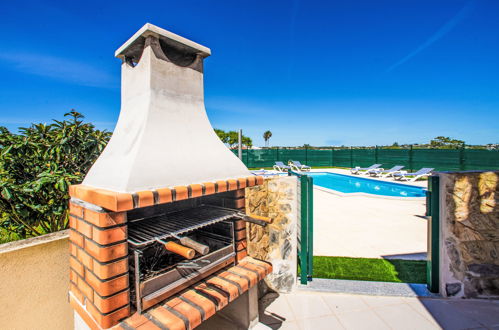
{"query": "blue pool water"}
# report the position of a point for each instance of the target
(350, 184)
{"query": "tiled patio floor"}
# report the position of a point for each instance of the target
(306, 310)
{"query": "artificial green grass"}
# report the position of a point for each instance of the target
(370, 269)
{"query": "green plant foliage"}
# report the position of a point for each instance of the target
(222, 135)
(231, 138)
(246, 141)
(36, 168)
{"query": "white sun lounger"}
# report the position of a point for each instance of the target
(298, 166)
(425, 171)
(357, 169)
(385, 173)
(264, 172)
(281, 167)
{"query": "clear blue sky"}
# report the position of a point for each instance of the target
(317, 72)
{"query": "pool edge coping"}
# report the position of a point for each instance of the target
(359, 194)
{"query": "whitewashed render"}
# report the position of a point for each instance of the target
(163, 137)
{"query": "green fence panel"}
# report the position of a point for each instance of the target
(300, 155)
(262, 158)
(319, 157)
(481, 159)
(246, 155)
(341, 157)
(363, 157)
(392, 157)
(413, 160)
(439, 159)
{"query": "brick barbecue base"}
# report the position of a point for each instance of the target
(189, 308)
(99, 274)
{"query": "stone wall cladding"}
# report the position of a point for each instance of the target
(276, 198)
(469, 222)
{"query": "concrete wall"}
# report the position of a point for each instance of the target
(34, 280)
(277, 198)
(469, 234)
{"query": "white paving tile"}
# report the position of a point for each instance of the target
(378, 301)
(339, 303)
(289, 326)
(485, 312)
(261, 326)
(421, 309)
(305, 310)
(279, 309)
(403, 317)
(326, 322)
(446, 315)
(308, 306)
(367, 319)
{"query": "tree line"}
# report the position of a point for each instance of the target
(231, 138)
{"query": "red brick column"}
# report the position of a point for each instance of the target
(238, 202)
(99, 265)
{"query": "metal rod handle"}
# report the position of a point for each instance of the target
(247, 218)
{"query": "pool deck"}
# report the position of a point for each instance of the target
(371, 227)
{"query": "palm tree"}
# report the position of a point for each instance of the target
(266, 136)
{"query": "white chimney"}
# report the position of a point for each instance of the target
(163, 137)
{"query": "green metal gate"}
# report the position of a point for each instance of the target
(433, 213)
(306, 227)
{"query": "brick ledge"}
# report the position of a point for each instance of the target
(193, 306)
(116, 201)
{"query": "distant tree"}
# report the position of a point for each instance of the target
(306, 145)
(231, 138)
(247, 142)
(395, 145)
(266, 136)
(442, 142)
(222, 135)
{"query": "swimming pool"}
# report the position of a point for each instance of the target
(349, 184)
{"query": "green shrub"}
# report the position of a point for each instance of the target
(36, 168)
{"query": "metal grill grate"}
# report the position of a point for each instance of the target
(146, 231)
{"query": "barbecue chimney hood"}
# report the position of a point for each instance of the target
(163, 137)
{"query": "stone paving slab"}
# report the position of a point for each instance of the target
(303, 310)
(320, 310)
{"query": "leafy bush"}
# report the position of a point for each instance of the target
(37, 166)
